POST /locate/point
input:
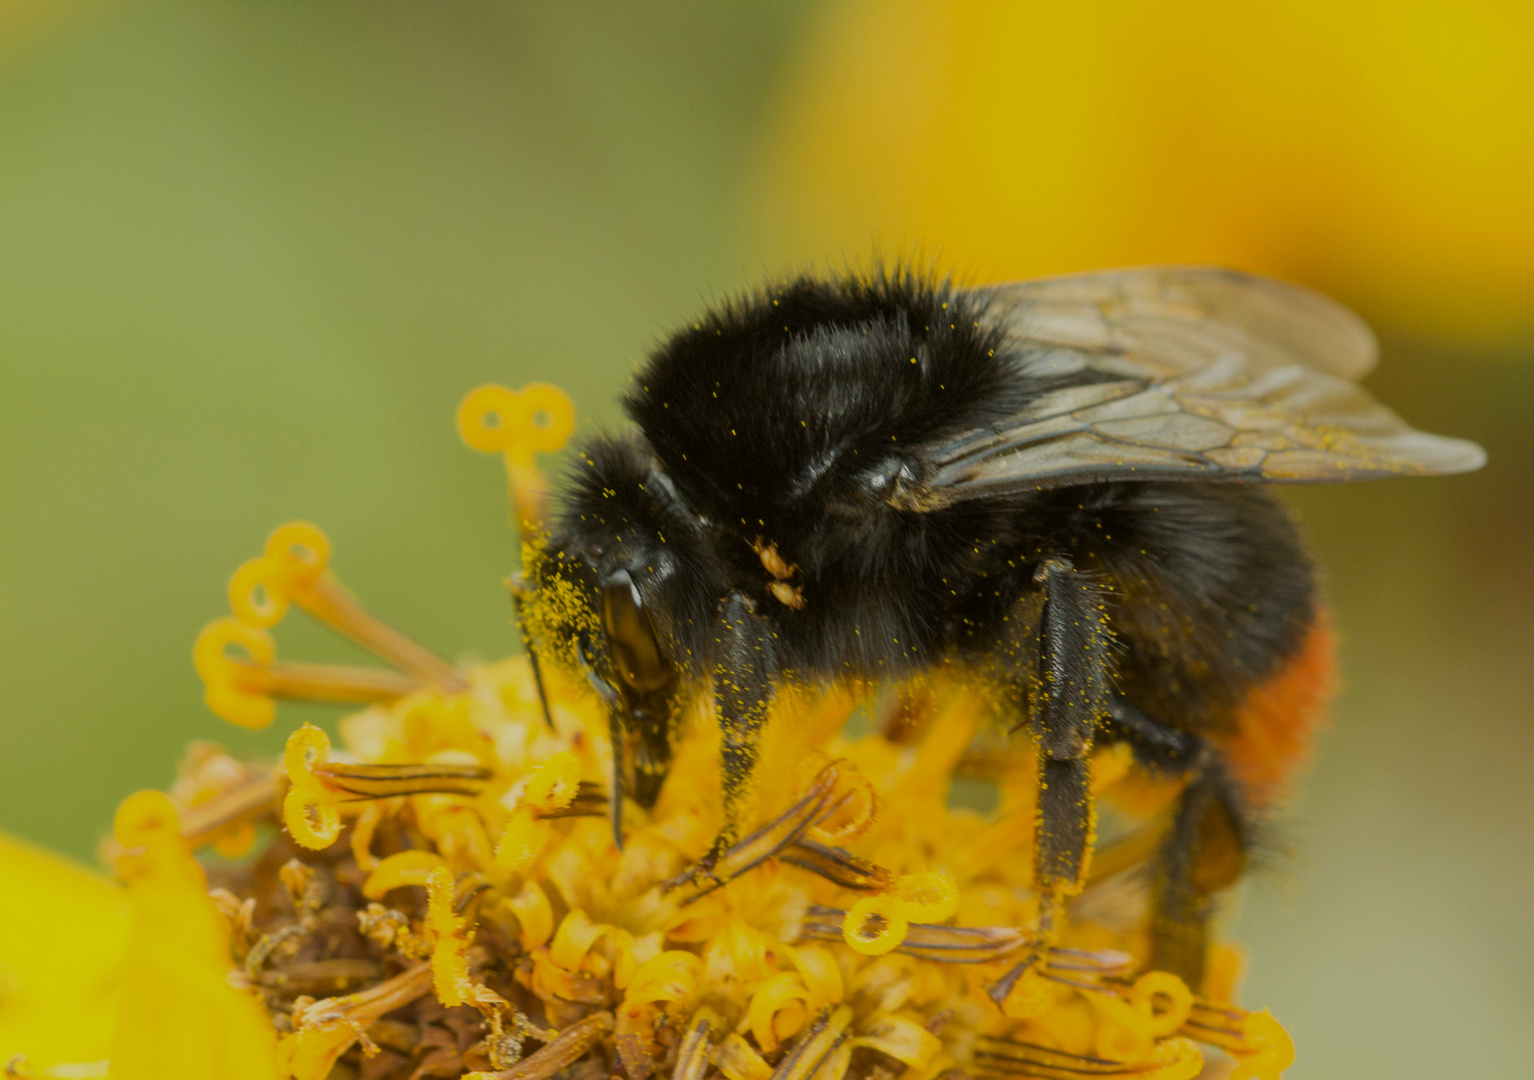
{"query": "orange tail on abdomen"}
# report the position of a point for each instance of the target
(1276, 725)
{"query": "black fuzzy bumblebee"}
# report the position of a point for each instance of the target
(1048, 483)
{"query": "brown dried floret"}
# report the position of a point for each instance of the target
(567, 1047)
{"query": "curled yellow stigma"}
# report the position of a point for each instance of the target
(929, 897)
(296, 554)
(400, 869)
(311, 809)
(876, 924)
(1267, 1049)
(518, 425)
(149, 832)
(294, 569)
(852, 815)
(232, 688)
(242, 678)
(552, 787)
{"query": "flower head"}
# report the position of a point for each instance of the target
(445, 896)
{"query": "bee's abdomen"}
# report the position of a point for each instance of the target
(1276, 723)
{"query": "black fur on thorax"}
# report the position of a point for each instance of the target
(775, 403)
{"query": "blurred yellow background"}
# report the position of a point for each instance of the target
(251, 255)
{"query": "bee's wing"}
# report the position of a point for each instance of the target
(1175, 318)
(1246, 385)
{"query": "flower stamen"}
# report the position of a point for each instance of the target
(1171, 1059)
(812, 1051)
(244, 690)
(940, 944)
(387, 781)
(293, 570)
(696, 1054)
(218, 817)
(761, 845)
(589, 801)
(1260, 1045)
(838, 867)
(311, 809)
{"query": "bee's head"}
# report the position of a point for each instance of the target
(621, 601)
(599, 632)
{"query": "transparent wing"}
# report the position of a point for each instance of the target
(1183, 374)
(1174, 318)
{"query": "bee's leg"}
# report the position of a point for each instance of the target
(1073, 696)
(1205, 850)
(1204, 854)
(1072, 699)
(744, 668)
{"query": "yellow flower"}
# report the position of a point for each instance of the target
(63, 932)
(174, 976)
(444, 894)
(137, 975)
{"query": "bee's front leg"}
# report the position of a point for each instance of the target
(744, 668)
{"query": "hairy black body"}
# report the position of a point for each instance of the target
(760, 525)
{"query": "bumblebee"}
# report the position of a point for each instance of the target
(1052, 485)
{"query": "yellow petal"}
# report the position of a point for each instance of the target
(63, 932)
(399, 869)
(902, 1039)
(178, 1016)
(784, 992)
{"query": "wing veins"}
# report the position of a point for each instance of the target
(1210, 375)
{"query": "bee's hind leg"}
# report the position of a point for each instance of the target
(1204, 851)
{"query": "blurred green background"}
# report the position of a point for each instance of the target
(252, 255)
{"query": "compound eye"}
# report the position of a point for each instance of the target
(889, 473)
(631, 641)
